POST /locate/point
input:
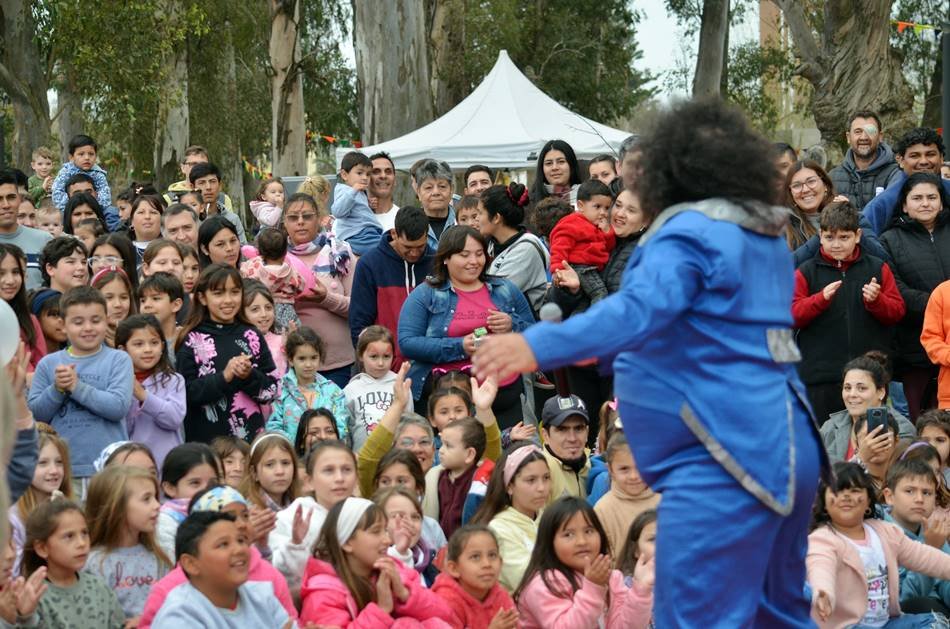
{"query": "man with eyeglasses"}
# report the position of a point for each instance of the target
(194, 155)
(30, 240)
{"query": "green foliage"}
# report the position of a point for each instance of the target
(580, 53)
(919, 52)
(329, 88)
(755, 81)
(111, 55)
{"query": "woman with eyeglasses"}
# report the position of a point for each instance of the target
(325, 263)
(114, 251)
(808, 190)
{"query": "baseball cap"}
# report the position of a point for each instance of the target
(558, 409)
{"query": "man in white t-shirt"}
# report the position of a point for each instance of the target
(382, 180)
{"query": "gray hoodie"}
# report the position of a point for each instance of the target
(860, 186)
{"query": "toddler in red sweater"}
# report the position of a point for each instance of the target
(470, 582)
(580, 239)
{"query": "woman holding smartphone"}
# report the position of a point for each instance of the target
(863, 387)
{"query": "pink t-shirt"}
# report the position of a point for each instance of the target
(471, 312)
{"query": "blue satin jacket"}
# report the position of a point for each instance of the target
(701, 330)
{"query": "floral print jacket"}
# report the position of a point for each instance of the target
(216, 407)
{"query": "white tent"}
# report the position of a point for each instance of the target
(503, 122)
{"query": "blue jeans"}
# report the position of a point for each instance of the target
(710, 527)
(913, 621)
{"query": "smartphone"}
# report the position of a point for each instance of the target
(877, 416)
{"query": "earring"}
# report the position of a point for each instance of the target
(868, 512)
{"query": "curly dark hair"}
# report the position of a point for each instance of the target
(919, 135)
(701, 149)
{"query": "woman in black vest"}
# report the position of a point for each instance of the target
(918, 242)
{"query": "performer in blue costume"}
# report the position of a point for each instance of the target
(700, 339)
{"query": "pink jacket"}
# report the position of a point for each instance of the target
(539, 607)
(327, 601)
(267, 214)
(834, 566)
(283, 281)
(468, 612)
(259, 570)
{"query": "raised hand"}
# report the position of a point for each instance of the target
(598, 570)
(522, 432)
(503, 355)
(262, 521)
(644, 573)
(402, 388)
(483, 395)
(29, 591)
(301, 525)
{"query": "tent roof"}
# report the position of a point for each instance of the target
(501, 123)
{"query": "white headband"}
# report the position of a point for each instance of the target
(350, 515)
(264, 437)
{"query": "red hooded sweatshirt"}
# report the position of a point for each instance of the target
(469, 612)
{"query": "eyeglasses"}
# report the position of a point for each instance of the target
(297, 218)
(408, 442)
(811, 182)
(106, 260)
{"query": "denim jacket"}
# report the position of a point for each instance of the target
(424, 324)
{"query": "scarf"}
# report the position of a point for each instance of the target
(177, 508)
(333, 255)
(575, 465)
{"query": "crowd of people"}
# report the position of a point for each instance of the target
(270, 418)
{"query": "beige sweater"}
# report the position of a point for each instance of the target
(617, 511)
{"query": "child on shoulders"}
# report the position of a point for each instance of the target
(355, 222)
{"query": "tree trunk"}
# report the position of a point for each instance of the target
(23, 78)
(850, 65)
(288, 127)
(70, 121)
(712, 42)
(231, 163)
(934, 99)
(392, 67)
(446, 39)
(172, 127)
